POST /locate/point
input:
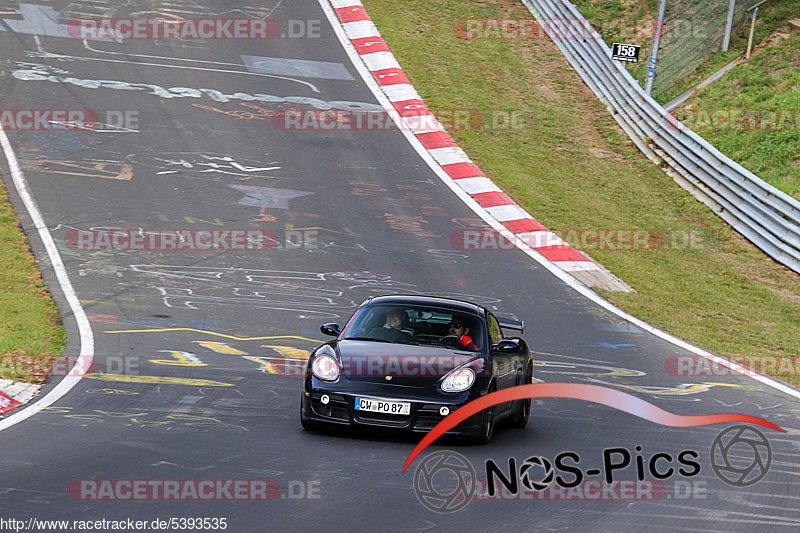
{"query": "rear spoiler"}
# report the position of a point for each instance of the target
(511, 323)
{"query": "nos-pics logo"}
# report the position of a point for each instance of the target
(450, 471)
(445, 481)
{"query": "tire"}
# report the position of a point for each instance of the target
(520, 419)
(487, 424)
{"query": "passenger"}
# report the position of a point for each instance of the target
(460, 331)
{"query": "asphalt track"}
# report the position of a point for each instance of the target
(150, 309)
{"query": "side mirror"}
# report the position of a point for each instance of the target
(507, 345)
(330, 329)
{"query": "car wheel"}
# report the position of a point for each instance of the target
(520, 420)
(487, 426)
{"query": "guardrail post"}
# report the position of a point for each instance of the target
(651, 63)
(726, 40)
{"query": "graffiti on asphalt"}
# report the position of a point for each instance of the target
(268, 197)
(308, 294)
(45, 74)
(202, 163)
(167, 419)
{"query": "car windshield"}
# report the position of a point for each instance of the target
(405, 324)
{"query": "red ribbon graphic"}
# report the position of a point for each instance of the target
(576, 391)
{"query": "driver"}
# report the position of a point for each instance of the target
(460, 330)
(393, 330)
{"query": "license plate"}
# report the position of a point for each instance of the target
(376, 405)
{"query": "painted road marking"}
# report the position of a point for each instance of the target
(158, 380)
(112, 391)
(179, 359)
(297, 67)
(263, 361)
(220, 347)
(90, 169)
(579, 369)
(289, 351)
(36, 20)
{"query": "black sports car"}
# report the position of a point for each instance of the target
(406, 362)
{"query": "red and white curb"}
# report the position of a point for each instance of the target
(381, 63)
(13, 394)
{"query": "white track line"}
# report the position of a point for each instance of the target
(365, 74)
(86, 354)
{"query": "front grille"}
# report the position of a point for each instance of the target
(382, 419)
(427, 417)
(337, 407)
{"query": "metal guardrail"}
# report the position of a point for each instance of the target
(769, 218)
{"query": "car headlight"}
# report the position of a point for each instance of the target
(325, 367)
(458, 380)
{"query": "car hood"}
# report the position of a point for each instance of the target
(403, 364)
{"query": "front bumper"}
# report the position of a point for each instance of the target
(424, 414)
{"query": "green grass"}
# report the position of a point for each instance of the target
(572, 167)
(769, 81)
(31, 335)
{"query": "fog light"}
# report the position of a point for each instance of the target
(444, 411)
(325, 399)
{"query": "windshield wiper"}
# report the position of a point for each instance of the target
(379, 340)
(365, 339)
